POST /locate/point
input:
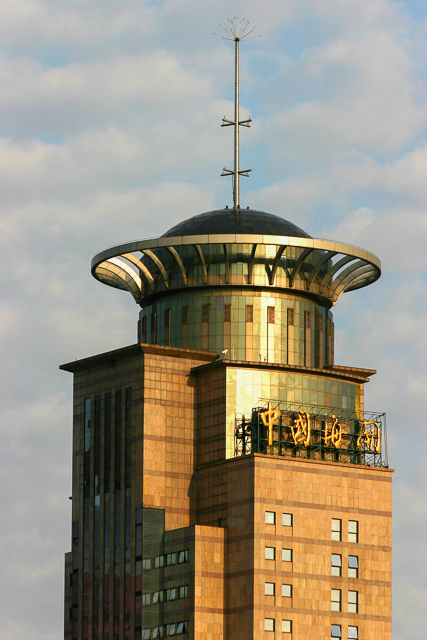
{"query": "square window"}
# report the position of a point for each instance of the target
(146, 564)
(180, 628)
(353, 566)
(287, 519)
(170, 594)
(353, 531)
(155, 597)
(170, 629)
(183, 591)
(156, 632)
(336, 564)
(286, 626)
(353, 601)
(146, 634)
(286, 591)
(269, 624)
(170, 559)
(353, 633)
(336, 529)
(159, 562)
(286, 555)
(269, 588)
(335, 599)
(270, 517)
(270, 553)
(336, 631)
(183, 557)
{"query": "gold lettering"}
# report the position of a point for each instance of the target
(301, 429)
(333, 432)
(370, 437)
(270, 418)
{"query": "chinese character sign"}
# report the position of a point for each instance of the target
(301, 429)
(309, 430)
(333, 433)
(270, 418)
(370, 437)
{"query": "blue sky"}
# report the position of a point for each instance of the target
(110, 131)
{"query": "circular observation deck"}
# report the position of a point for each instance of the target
(242, 248)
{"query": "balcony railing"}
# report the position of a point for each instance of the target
(312, 432)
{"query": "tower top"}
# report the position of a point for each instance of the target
(243, 249)
(237, 249)
(237, 30)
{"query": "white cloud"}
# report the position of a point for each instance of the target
(292, 199)
(371, 102)
(64, 99)
(85, 26)
(359, 14)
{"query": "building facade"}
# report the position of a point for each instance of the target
(228, 482)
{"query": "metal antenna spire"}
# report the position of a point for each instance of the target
(236, 31)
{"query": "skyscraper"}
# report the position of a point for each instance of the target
(227, 480)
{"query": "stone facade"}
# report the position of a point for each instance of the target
(170, 528)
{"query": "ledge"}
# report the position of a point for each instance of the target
(341, 372)
(110, 357)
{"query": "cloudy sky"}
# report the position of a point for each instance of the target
(110, 131)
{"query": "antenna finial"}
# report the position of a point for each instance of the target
(236, 31)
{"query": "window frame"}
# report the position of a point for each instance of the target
(183, 592)
(184, 555)
(272, 620)
(291, 553)
(171, 594)
(268, 514)
(355, 569)
(290, 626)
(274, 553)
(353, 607)
(159, 561)
(171, 559)
(291, 518)
(336, 534)
(338, 567)
(336, 605)
(353, 536)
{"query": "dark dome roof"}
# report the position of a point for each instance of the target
(246, 221)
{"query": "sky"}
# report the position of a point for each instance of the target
(110, 131)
